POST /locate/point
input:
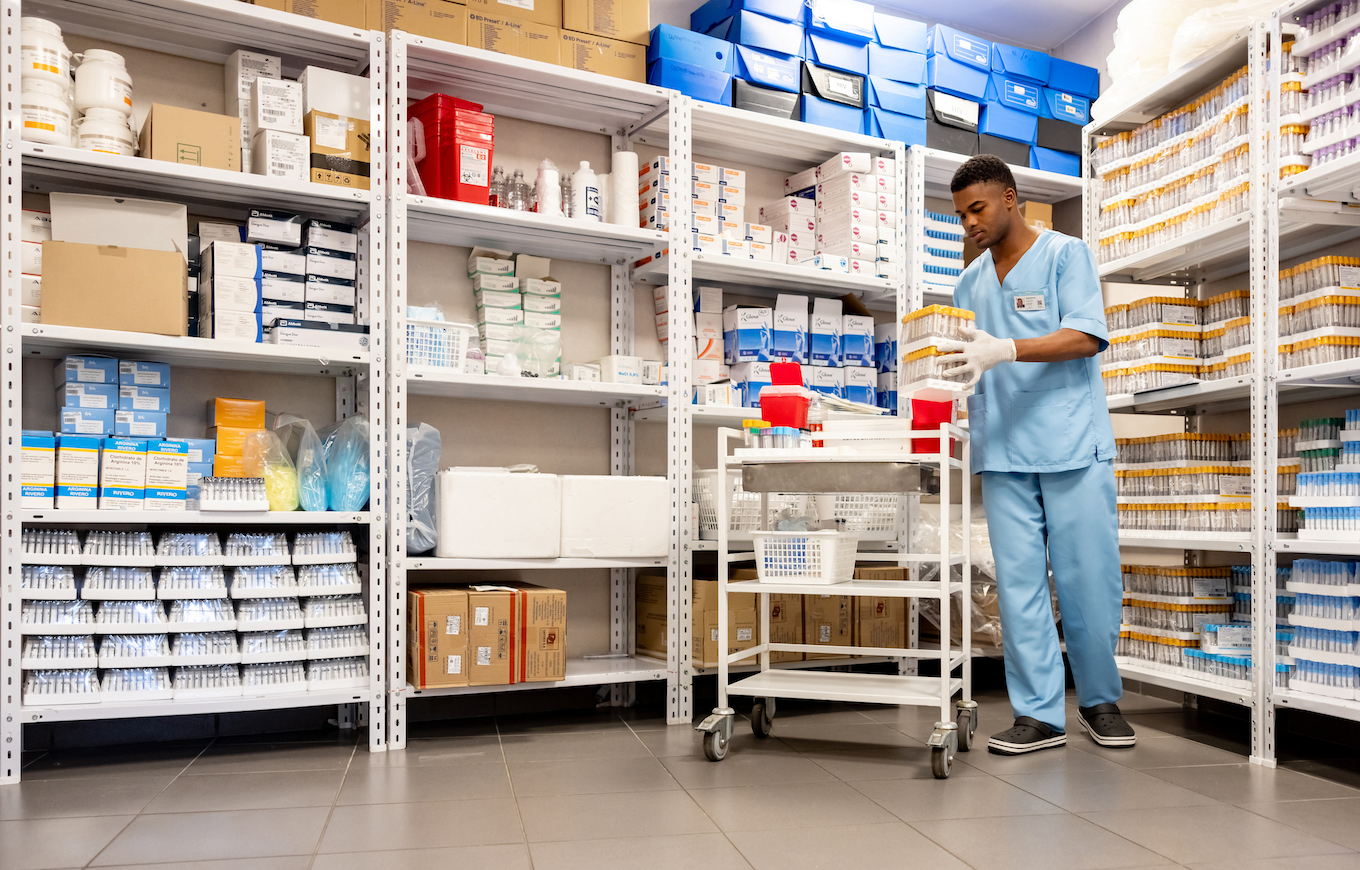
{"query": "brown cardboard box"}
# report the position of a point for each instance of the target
(525, 39)
(828, 621)
(881, 622)
(105, 287)
(436, 638)
(542, 624)
(340, 154)
(610, 57)
(437, 19)
(706, 597)
(743, 629)
(491, 636)
(347, 12)
(650, 611)
(613, 19)
(545, 12)
(786, 625)
(1037, 214)
(191, 137)
(891, 572)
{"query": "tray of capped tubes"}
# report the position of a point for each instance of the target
(66, 686)
(52, 547)
(264, 647)
(192, 581)
(206, 648)
(120, 549)
(207, 681)
(189, 549)
(273, 679)
(326, 674)
(336, 643)
(324, 548)
(268, 614)
(105, 583)
(232, 494)
(48, 583)
(60, 651)
(256, 548)
(264, 581)
(135, 651)
(342, 579)
(57, 617)
(325, 611)
(201, 614)
(136, 684)
(131, 617)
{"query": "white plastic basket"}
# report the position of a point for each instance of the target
(745, 516)
(872, 514)
(437, 343)
(806, 557)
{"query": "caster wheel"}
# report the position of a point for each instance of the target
(761, 721)
(941, 760)
(715, 745)
(967, 728)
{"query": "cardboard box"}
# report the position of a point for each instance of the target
(613, 19)
(1037, 214)
(542, 624)
(438, 19)
(339, 148)
(651, 617)
(544, 12)
(347, 12)
(881, 622)
(491, 636)
(828, 621)
(130, 289)
(494, 31)
(786, 625)
(191, 137)
(436, 637)
(611, 57)
(743, 629)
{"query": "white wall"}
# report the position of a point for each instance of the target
(1093, 42)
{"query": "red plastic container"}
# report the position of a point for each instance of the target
(785, 402)
(926, 414)
(459, 146)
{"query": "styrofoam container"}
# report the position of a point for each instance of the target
(608, 516)
(490, 513)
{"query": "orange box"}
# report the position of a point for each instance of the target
(229, 466)
(231, 440)
(240, 413)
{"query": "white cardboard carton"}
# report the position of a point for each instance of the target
(613, 517)
(490, 513)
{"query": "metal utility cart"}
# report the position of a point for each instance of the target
(810, 564)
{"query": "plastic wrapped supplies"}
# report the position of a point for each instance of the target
(423, 447)
(347, 464)
(266, 457)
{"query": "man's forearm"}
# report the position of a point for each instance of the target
(1060, 346)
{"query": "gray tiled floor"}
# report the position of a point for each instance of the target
(836, 786)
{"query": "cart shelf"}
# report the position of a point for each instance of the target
(843, 686)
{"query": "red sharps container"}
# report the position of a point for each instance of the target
(785, 402)
(460, 141)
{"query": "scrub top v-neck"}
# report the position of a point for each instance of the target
(1039, 417)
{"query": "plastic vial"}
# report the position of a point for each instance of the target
(568, 209)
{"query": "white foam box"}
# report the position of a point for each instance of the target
(614, 517)
(489, 513)
(280, 155)
(342, 94)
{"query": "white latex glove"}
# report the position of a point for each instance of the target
(977, 353)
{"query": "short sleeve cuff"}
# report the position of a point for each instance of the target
(1093, 328)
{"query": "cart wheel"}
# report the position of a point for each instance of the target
(715, 745)
(940, 761)
(762, 723)
(967, 728)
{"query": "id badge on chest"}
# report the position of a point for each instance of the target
(1027, 302)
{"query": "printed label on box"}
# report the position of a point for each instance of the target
(454, 625)
(483, 654)
(481, 616)
(455, 664)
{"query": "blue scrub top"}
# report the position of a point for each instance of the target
(1039, 417)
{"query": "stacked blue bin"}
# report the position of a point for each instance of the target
(766, 44)
(836, 63)
(897, 75)
(1064, 109)
(694, 64)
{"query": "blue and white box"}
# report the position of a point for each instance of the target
(751, 378)
(1014, 93)
(849, 20)
(75, 395)
(1073, 78)
(885, 347)
(824, 113)
(332, 264)
(887, 390)
(827, 381)
(958, 63)
(714, 11)
(860, 385)
(232, 260)
(857, 340)
(38, 470)
(332, 291)
(1021, 63)
(693, 81)
(88, 421)
(1007, 123)
(760, 31)
(790, 329)
(906, 129)
(747, 334)
(900, 66)
(826, 50)
(77, 485)
(1055, 161)
(824, 339)
(140, 424)
(200, 450)
(1063, 106)
(122, 474)
(167, 476)
(688, 47)
(278, 287)
(903, 34)
(140, 373)
(143, 399)
(85, 370)
(767, 69)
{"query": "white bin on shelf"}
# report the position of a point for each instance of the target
(615, 517)
(806, 557)
(745, 507)
(438, 343)
(491, 513)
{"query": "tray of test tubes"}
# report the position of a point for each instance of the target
(277, 678)
(264, 581)
(268, 614)
(189, 548)
(136, 684)
(66, 686)
(326, 674)
(324, 548)
(329, 610)
(201, 614)
(131, 617)
(337, 643)
(232, 494)
(62, 651)
(48, 583)
(206, 648)
(265, 647)
(57, 617)
(52, 547)
(340, 579)
(256, 548)
(207, 681)
(104, 583)
(135, 651)
(192, 581)
(122, 549)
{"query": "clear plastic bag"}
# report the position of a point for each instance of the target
(265, 457)
(539, 351)
(423, 447)
(309, 457)
(347, 464)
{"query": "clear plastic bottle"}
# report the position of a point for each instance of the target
(568, 209)
(585, 193)
(815, 418)
(497, 195)
(548, 189)
(517, 192)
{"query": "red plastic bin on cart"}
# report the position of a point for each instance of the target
(785, 402)
(459, 146)
(927, 414)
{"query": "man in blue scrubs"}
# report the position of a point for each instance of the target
(1043, 444)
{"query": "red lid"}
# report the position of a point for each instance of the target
(785, 374)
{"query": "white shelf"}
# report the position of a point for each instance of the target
(1319, 548)
(870, 588)
(1221, 395)
(752, 666)
(1202, 248)
(1178, 87)
(1184, 682)
(433, 381)
(1340, 707)
(1344, 372)
(450, 222)
(1035, 184)
(194, 707)
(701, 415)
(844, 686)
(1336, 181)
(580, 672)
(722, 133)
(1223, 542)
(770, 277)
(171, 518)
(423, 563)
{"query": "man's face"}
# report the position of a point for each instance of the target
(986, 209)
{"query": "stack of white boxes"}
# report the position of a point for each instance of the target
(270, 110)
(330, 252)
(511, 294)
(717, 200)
(230, 298)
(36, 228)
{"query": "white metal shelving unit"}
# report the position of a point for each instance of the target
(203, 30)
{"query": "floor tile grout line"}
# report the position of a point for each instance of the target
(1296, 827)
(514, 798)
(316, 850)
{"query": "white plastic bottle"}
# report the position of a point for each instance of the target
(102, 82)
(585, 194)
(42, 52)
(548, 187)
(46, 112)
(106, 131)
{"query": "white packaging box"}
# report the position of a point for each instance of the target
(887, 218)
(703, 206)
(887, 201)
(489, 513)
(885, 182)
(824, 332)
(801, 181)
(734, 177)
(859, 383)
(239, 73)
(792, 224)
(799, 256)
(790, 342)
(708, 300)
(705, 172)
(887, 235)
(663, 326)
(651, 372)
(843, 200)
(706, 371)
(801, 238)
(847, 214)
(583, 372)
(30, 257)
(757, 232)
(330, 291)
(705, 190)
(78, 472)
(707, 224)
(831, 263)
(485, 297)
(826, 380)
(542, 319)
(30, 290)
(887, 253)
(540, 287)
(844, 184)
(496, 332)
(733, 194)
(231, 260)
(705, 243)
(723, 394)
(661, 298)
(30, 314)
(708, 338)
(620, 369)
(217, 231)
(122, 474)
(614, 516)
(846, 161)
(332, 264)
(275, 104)
(867, 268)
(789, 205)
(732, 230)
(330, 336)
(863, 251)
(499, 316)
(885, 166)
(229, 294)
(167, 476)
(231, 325)
(736, 248)
(857, 339)
(283, 261)
(338, 93)
(543, 304)
(759, 251)
(38, 471)
(732, 212)
(280, 155)
(35, 226)
(330, 234)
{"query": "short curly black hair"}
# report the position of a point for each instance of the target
(982, 169)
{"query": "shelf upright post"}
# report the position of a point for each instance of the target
(11, 404)
(680, 430)
(911, 192)
(621, 623)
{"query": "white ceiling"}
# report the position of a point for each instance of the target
(1042, 24)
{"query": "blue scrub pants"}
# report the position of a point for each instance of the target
(1067, 519)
